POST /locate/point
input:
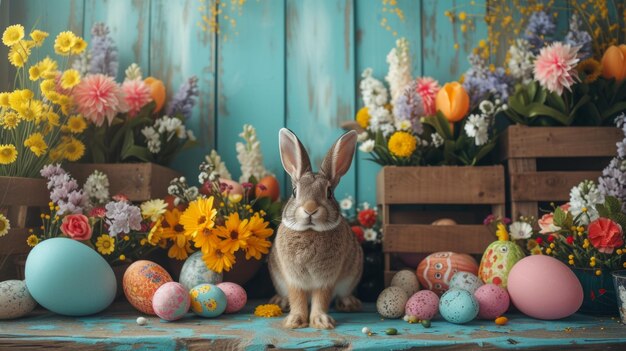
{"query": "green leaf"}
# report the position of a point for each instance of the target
(603, 211)
(141, 153)
(620, 218)
(441, 125)
(559, 217)
(536, 110)
(613, 110)
(613, 204)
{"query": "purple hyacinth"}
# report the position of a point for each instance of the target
(540, 30)
(481, 83)
(51, 170)
(184, 100)
(122, 217)
(103, 52)
(578, 37)
(410, 107)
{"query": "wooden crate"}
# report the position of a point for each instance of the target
(411, 198)
(21, 200)
(544, 163)
(138, 181)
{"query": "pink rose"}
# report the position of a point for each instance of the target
(546, 223)
(76, 226)
(605, 235)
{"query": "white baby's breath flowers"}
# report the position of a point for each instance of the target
(219, 166)
(153, 138)
(399, 74)
(520, 62)
(97, 188)
(584, 198)
(437, 139)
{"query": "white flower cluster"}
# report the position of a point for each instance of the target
(219, 166)
(585, 196)
(521, 61)
(133, 72)
(613, 179)
(97, 188)
(250, 156)
(477, 125)
(163, 130)
(399, 74)
(375, 97)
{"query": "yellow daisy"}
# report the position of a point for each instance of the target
(8, 154)
(402, 144)
(53, 118)
(34, 73)
(156, 233)
(4, 99)
(10, 120)
(13, 34)
(38, 37)
(363, 117)
(219, 261)
(198, 220)
(105, 244)
(173, 230)
(590, 69)
(70, 79)
(5, 225)
(257, 247)
(268, 311)
(73, 149)
(235, 233)
(64, 42)
(502, 233)
(152, 209)
(259, 227)
(32, 240)
(47, 86)
(79, 46)
(18, 55)
(48, 68)
(36, 143)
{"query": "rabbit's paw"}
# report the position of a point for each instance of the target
(295, 321)
(322, 321)
(348, 304)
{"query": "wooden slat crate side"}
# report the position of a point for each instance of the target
(18, 191)
(388, 276)
(441, 185)
(547, 186)
(14, 242)
(138, 181)
(538, 142)
(424, 238)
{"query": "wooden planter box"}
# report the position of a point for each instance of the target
(21, 201)
(138, 181)
(411, 198)
(544, 163)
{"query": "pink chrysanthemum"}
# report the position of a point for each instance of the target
(136, 95)
(98, 96)
(427, 88)
(555, 67)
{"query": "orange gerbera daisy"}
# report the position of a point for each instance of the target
(219, 261)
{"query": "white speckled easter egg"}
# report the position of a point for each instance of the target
(423, 305)
(493, 301)
(465, 281)
(195, 272)
(458, 306)
(171, 301)
(391, 302)
(15, 300)
(207, 300)
(407, 280)
(236, 297)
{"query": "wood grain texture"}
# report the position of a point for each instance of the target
(23, 191)
(129, 22)
(138, 181)
(441, 185)
(320, 91)
(425, 238)
(5, 21)
(534, 142)
(547, 186)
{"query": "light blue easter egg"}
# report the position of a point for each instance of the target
(465, 281)
(195, 272)
(207, 300)
(458, 306)
(69, 278)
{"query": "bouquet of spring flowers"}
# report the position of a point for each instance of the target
(113, 227)
(221, 217)
(364, 219)
(417, 122)
(38, 122)
(130, 122)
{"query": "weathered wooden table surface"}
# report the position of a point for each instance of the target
(116, 329)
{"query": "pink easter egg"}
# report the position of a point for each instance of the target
(236, 296)
(493, 301)
(423, 304)
(543, 287)
(171, 301)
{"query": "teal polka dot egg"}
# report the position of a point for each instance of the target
(207, 300)
(458, 306)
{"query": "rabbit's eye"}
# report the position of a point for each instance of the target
(329, 193)
(294, 192)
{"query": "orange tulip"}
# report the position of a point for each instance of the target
(157, 91)
(452, 100)
(614, 63)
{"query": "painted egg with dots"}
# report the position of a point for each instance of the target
(391, 302)
(423, 305)
(465, 281)
(195, 272)
(171, 301)
(437, 269)
(493, 301)
(141, 281)
(207, 300)
(236, 296)
(458, 306)
(407, 280)
(497, 261)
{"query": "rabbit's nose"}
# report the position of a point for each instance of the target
(310, 207)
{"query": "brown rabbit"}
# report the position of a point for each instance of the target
(315, 256)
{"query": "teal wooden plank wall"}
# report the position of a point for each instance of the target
(293, 63)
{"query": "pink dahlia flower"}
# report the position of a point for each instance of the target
(555, 67)
(136, 94)
(427, 89)
(98, 96)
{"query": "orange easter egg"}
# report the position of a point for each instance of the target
(141, 281)
(157, 91)
(436, 270)
(268, 187)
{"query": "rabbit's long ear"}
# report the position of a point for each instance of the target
(292, 154)
(339, 157)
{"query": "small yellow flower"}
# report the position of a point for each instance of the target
(502, 233)
(13, 34)
(598, 272)
(38, 37)
(592, 264)
(571, 257)
(32, 240)
(79, 46)
(48, 68)
(64, 42)
(47, 86)
(10, 120)
(8, 154)
(268, 311)
(70, 79)
(571, 262)
(122, 258)
(126, 238)
(402, 144)
(552, 246)
(34, 73)
(462, 16)
(105, 244)
(53, 118)
(590, 69)
(624, 265)
(363, 117)
(4, 99)
(5, 225)
(18, 55)
(548, 251)
(153, 209)
(73, 149)
(584, 209)
(619, 251)
(36, 143)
